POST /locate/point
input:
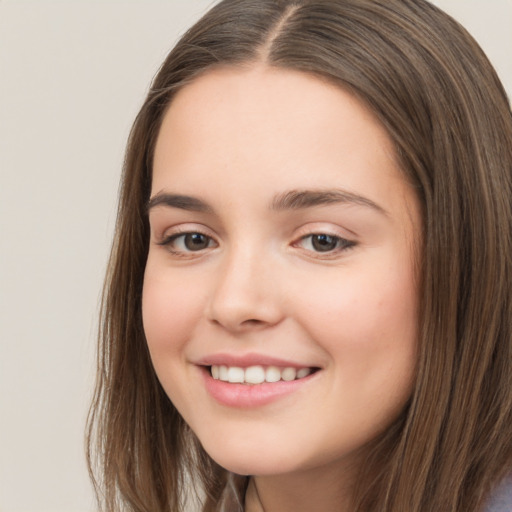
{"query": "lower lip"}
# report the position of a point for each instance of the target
(251, 395)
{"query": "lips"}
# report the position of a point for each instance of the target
(253, 380)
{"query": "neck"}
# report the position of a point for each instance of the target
(329, 491)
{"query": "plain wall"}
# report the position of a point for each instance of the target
(72, 76)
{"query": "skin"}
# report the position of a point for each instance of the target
(236, 139)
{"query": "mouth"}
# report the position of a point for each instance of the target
(243, 382)
(258, 374)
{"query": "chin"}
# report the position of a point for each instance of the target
(251, 458)
(260, 465)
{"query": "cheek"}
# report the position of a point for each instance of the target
(375, 298)
(170, 312)
(367, 323)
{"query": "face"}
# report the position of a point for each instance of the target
(280, 296)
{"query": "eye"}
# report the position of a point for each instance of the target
(188, 242)
(324, 243)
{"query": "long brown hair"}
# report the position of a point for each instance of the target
(433, 89)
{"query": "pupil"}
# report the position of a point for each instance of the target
(196, 241)
(324, 243)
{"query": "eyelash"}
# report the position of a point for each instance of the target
(341, 244)
(168, 242)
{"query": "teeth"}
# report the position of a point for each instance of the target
(257, 374)
(236, 374)
(303, 372)
(223, 373)
(289, 374)
(254, 375)
(273, 374)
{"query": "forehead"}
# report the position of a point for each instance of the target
(250, 95)
(271, 116)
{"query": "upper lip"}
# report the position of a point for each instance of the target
(246, 360)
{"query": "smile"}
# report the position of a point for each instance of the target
(257, 374)
(244, 384)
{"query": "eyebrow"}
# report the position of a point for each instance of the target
(179, 201)
(291, 200)
(301, 199)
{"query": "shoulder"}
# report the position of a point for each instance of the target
(501, 498)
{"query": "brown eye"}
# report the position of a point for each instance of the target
(196, 241)
(324, 243)
(183, 243)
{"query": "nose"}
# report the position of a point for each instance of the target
(245, 295)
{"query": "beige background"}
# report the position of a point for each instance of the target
(72, 76)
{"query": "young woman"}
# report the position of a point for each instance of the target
(308, 304)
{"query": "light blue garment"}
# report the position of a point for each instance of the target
(501, 499)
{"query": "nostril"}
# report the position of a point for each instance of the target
(252, 321)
